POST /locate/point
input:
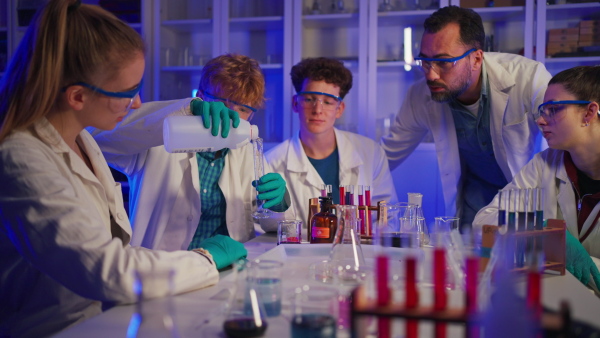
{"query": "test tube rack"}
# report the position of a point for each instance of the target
(552, 237)
(361, 306)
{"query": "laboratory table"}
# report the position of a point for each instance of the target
(200, 313)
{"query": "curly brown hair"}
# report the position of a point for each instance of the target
(322, 69)
(235, 77)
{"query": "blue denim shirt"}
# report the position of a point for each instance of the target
(481, 174)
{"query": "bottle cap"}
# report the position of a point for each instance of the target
(253, 132)
(415, 198)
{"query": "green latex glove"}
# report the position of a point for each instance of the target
(272, 190)
(224, 250)
(579, 262)
(215, 114)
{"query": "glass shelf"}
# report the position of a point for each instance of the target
(188, 25)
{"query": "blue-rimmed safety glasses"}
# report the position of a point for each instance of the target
(125, 99)
(308, 100)
(440, 65)
(549, 109)
(246, 112)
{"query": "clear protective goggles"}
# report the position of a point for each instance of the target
(549, 109)
(245, 111)
(308, 100)
(440, 66)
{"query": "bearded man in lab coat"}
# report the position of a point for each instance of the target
(321, 154)
(180, 199)
(476, 107)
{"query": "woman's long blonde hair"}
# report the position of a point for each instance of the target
(67, 42)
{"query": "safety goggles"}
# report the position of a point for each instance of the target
(549, 109)
(308, 100)
(124, 99)
(440, 66)
(245, 111)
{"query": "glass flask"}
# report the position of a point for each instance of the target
(314, 312)
(347, 257)
(153, 317)
(246, 315)
(416, 199)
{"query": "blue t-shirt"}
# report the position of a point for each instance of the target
(329, 168)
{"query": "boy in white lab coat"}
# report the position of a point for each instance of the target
(321, 154)
(180, 199)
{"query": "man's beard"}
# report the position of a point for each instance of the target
(451, 94)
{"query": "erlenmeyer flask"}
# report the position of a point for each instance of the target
(344, 213)
(246, 316)
(153, 317)
(347, 257)
(416, 199)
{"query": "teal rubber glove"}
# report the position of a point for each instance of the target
(271, 188)
(215, 114)
(579, 262)
(224, 250)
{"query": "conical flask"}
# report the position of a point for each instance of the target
(246, 316)
(346, 255)
(417, 217)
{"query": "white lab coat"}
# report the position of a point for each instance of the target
(362, 162)
(547, 170)
(165, 187)
(64, 237)
(517, 87)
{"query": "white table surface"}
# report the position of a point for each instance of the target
(198, 313)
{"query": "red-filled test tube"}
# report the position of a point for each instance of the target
(412, 296)
(383, 295)
(472, 265)
(439, 288)
(342, 195)
(368, 203)
(361, 213)
(534, 293)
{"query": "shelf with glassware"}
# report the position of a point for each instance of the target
(568, 33)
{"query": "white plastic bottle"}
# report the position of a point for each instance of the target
(186, 134)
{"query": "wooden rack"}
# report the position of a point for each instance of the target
(553, 243)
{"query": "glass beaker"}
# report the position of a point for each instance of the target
(153, 316)
(246, 315)
(257, 144)
(265, 277)
(314, 312)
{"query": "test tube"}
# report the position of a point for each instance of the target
(412, 296)
(512, 204)
(329, 189)
(539, 208)
(536, 267)
(342, 195)
(323, 190)
(259, 163)
(383, 293)
(472, 271)
(501, 207)
(361, 213)
(368, 225)
(440, 298)
(521, 226)
(350, 195)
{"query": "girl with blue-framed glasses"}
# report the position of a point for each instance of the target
(569, 171)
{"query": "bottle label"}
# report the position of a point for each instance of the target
(318, 232)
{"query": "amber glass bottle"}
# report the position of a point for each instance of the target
(324, 223)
